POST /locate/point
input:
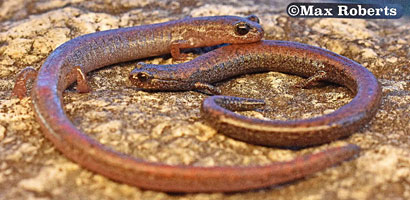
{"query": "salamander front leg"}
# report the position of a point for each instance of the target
(82, 85)
(311, 81)
(176, 47)
(206, 86)
(20, 87)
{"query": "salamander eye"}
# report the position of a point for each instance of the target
(143, 76)
(242, 28)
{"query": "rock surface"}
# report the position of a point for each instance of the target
(166, 127)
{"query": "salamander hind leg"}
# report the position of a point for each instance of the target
(311, 81)
(238, 103)
(82, 85)
(20, 87)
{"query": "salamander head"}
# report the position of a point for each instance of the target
(158, 77)
(225, 29)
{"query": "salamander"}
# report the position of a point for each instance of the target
(281, 56)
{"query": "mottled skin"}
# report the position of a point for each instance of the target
(281, 56)
(73, 59)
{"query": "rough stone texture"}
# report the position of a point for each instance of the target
(165, 127)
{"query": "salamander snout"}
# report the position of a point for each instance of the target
(139, 75)
(142, 76)
(155, 77)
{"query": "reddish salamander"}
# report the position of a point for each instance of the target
(72, 60)
(281, 56)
